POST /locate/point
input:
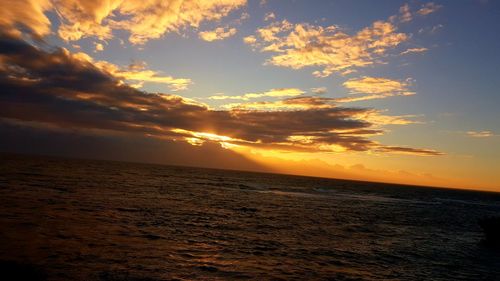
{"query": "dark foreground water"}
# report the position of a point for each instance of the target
(95, 220)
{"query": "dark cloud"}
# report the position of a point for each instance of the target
(409, 150)
(17, 138)
(65, 90)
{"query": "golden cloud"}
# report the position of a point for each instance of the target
(280, 92)
(99, 47)
(305, 45)
(376, 85)
(217, 34)
(250, 39)
(144, 20)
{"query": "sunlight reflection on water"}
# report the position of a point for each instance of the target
(91, 220)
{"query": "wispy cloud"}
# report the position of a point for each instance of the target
(410, 151)
(428, 8)
(414, 51)
(138, 74)
(319, 90)
(480, 134)
(280, 92)
(405, 13)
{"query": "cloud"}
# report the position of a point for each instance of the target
(27, 14)
(374, 88)
(269, 16)
(319, 90)
(217, 34)
(405, 14)
(144, 20)
(480, 134)
(308, 103)
(329, 48)
(410, 151)
(429, 8)
(376, 85)
(280, 92)
(250, 39)
(137, 74)
(414, 50)
(371, 97)
(98, 47)
(294, 103)
(68, 91)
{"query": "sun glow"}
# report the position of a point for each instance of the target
(198, 138)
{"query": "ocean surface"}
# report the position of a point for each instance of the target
(63, 219)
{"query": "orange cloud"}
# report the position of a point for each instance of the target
(144, 20)
(29, 14)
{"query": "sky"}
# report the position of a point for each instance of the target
(391, 91)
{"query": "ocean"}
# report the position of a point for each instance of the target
(67, 219)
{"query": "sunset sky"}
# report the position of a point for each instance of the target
(392, 91)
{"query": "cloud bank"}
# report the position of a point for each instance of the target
(58, 89)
